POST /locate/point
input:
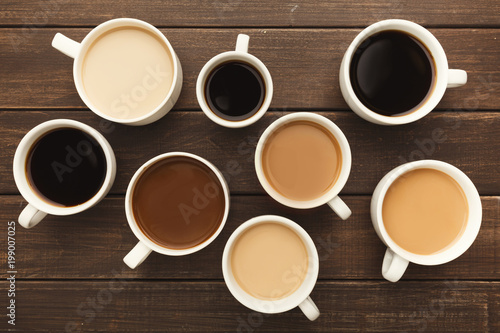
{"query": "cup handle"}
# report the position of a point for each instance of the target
(242, 43)
(340, 208)
(30, 216)
(309, 308)
(393, 266)
(66, 45)
(138, 254)
(456, 78)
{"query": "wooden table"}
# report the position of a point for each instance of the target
(70, 274)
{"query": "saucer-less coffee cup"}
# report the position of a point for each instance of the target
(370, 65)
(176, 204)
(305, 155)
(438, 194)
(234, 88)
(270, 265)
(62, 167)
(125, 71)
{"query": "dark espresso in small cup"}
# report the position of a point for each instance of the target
(235, 90)
(178, 202)
(66, 167)
(392, 73)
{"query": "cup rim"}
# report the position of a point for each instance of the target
(289, 302)
(22, 152)
(99, 31)
(227, 57)
(459, 245)
(440, 65)
(345, 151)
(133, 223)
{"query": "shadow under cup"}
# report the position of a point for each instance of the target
(178, 202)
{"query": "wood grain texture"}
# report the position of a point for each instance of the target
(464, 139)
(322, 13)
(92, 244)
(304, 64)
(162, 306)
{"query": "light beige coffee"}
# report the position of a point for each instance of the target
(127, 72)
(269, 261)
(425, 211)
(302, 160)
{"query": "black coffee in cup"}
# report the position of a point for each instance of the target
(235, 90)
(66, 167)
(392, 73)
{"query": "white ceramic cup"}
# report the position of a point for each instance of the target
(331, 197)
(300, 297)
(145, 245)
(37, 207)
(444, 77)
(78, 51)
(396, 259)
(239, 54)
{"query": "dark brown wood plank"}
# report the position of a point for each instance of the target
(92, 244)
(467, 140)
(304, 64)
(160, 306)
(252, 13)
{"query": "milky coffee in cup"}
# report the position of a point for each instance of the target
(425, 211)
(269, 261)
(127, 72)
(302, 160)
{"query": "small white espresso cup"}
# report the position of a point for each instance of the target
(37, 207)
(331, 197)
(396, 259)
(443, 77)
(145, 245)
(78, 51)
(240, 54)
(300, 297)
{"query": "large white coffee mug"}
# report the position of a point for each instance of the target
(145, 245)
(78, 51)
(299, 297)
(396, 259)
(444, 77)
(37, 207)
(240, 54)
(331, 197)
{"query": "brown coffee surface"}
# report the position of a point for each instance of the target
(302, 160)
(269, 261)
(425, 211)
(127, 72)
(178, 202)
